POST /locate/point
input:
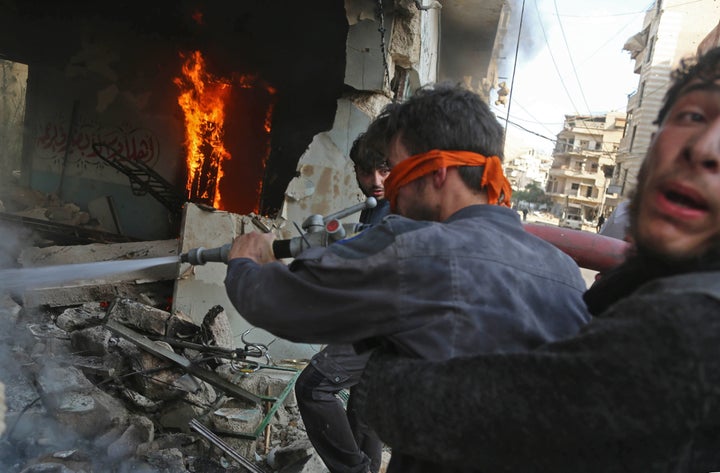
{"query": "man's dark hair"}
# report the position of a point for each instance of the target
(705, 67)
(447, 117)
(368, 151)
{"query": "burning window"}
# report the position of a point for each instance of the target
(227, 135)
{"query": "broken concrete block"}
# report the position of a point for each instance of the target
(139, 316)
(75, 402)
(91, 341)
(179, 413)
(297, 452)
(94, 366)
(269, 382)
(237, 418)
(139, 401)
(171, 459)
(76, 318)
(47, 330)
(153, 379)
(180, 325)
(140, 430)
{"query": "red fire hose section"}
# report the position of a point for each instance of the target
(589, 250)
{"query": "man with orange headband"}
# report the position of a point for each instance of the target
(638, 389)
(453, 274)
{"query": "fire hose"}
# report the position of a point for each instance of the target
(589, 250)
(319, 231)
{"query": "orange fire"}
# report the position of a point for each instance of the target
(203, 98)
(243, 104)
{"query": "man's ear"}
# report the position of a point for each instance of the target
(439, 177)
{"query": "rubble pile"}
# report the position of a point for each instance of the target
(128, 387)
(26, 202)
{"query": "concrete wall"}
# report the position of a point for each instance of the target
(96, 98)
(325, 181)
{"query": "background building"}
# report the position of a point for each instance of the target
(583, 163)
(529, 167)
(672, 30)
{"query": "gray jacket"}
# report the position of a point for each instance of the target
(476, 283)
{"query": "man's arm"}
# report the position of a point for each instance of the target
(323, 297)
(632, 381)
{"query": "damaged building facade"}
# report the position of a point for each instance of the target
(145, 129)
(244, 107)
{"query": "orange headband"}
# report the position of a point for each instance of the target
(423, 164)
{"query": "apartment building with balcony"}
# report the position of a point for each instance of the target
(583, 165)
(672, 30)
(528, 167)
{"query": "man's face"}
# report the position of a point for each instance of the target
(371, 182)
(413, 200)
(678, 212)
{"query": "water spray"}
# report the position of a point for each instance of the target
(51, 276)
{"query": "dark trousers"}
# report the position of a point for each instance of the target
(343, 441)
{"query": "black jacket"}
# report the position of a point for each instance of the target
(638, 390)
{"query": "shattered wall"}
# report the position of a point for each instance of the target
(100, 71)
(325, 180)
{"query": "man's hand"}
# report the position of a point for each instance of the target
(256, 246)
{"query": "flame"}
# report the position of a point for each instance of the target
(205, 101)
(202, 99)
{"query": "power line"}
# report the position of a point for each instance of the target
(557, 70)
(632, 20)
(611, 15)
(572, 63)
(512, 81)
(525, 129)
(537, 122)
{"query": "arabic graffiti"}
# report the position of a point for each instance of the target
(128, 143)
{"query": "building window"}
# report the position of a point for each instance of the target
(649, 50)
(641, 93)
(632, 137)
(574, 186)
(589, 192)
(598, 146)
(584, 144)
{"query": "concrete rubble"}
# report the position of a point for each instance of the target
(80, 398)
(110, 373)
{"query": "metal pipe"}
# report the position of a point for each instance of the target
(589, 250)
(218, 442)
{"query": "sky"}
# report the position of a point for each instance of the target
(570, 60)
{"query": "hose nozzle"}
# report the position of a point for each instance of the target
(200, 256)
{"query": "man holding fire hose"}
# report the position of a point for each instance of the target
(453, 274)
(638, 389)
